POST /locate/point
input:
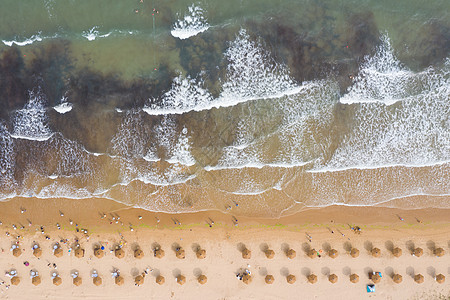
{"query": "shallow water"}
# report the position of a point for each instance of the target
(272, 105)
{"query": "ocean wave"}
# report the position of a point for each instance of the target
(63, 107)
(93, 34)
(194, 22)
(27, 41)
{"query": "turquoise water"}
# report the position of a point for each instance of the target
(185, 106)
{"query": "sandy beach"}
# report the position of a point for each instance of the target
(319, 229)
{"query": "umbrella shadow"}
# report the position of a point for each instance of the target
(410, 271)
(431, 246)
(389, 246)
(241, 247)
(306, 271)
(346, 271)
(284, 271)
(368, 246)
(197, 272)
(347, 246)
(176, 272)
(156, 272)
(306, 247)
(431, 271)
(389, 271)
(368, 271)
(134, 246)
(263, 247)
(195, 247)
(155, 246)
(325, 271)
(410, 246)
(326, 247)
(175, 246)
(262, 271)
(134, 272)
(285, 248)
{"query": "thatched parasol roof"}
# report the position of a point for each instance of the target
(354, 278)
(312, 253)
(99, 253)
(159, 253)
(333, 278)
(418, 278)
(17, 252)
(201, 254)
(139, 280)
(439, 252)
(376, 252)
(181, 279)
(269, 254)
(160, 280)
(119, 280)
(440, 278)
(397, 278)
(291, 253)
(15, 280)
(246, 254)
(333, 253)
(375, 278)
(58, 252)
(397, 252)
(312, 278)
(97, 281)
(36, 280)
(354, 252)
(77, 281)
(202, 279)
(138, 253)
(120, 253)
(269, 279)
(57, 280)
(418, 252)
(181, 254)
(291, 279)
(79, 252)
(247, 279)
(37, 252)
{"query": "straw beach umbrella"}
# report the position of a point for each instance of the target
(376, 252)
(312, 253)
(440, 278)
(333, 253)
(269, 279)
(312, 278)
(57, 280)
(201, 254)
(138, 253)
(119, 253)
(160, 280)
(181, 254)
(354, 278)
(139, 280)
(354, 252)
(397, 252)
(159, 253)
(97, 281)
(269, 254)
(291, 253)
(418, 278)
(202, 279)
(79, 252)
(246, 254)
(397, 278)
(36, 280)
(333, 278)
(37, 252)
(119, 280)
(291, 279)
(418, 252)
(15, 280)
(439, 252)
(17, 252)
(58, 252)
(375, 278)
(247, 279)
(99, 253)
(181, 279)
(77, 281)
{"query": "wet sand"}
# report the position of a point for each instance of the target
(328, 228)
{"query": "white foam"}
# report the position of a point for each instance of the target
(31, 122)
(194, 22)
(93, 34)
(27, 41)
(7, 157)
(64, 107)
(181, 151)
